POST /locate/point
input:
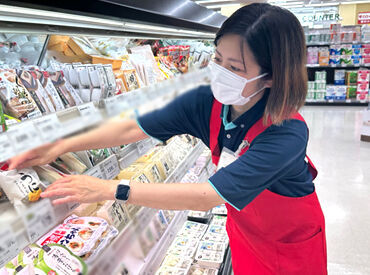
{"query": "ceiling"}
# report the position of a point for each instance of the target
(289, 4)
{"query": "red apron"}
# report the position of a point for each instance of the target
(273, 234)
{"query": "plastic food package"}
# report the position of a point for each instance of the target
(79, 234)
(212, 259)
(177, 261)
(46, 83)
(65, 90)
(106, 238)
(167, 270)
(16, 99)
(56, 259)
(196, 270)
(37, 91)
(48, 173)
(21, 187)
(73, 163)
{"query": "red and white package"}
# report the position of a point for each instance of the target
(363, 86)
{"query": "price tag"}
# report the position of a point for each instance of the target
(144, 146)
(90, 112)
(8, 245)
(95, 172)
(24, 137)
(111, 168)
(49, 127)
(348, 101)
(38, 219)
(6, 149)
(331, 100)
(110, 105)
(363, 101)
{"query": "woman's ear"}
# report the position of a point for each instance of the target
(268, 83)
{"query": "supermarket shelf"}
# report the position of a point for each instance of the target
(330, 44)
(133, 151)
(154, 259)
(42, 216)
(35, 132)
(227, 268)
(332, 102)
(317, 66)
(125, 247)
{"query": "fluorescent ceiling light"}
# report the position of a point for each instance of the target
(292, 7)
(221, 5)
(290, 4)
(322, 5)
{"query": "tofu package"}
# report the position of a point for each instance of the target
(21, 186)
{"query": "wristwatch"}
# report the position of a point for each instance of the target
(123, 191)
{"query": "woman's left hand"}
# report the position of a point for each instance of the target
(80, 188)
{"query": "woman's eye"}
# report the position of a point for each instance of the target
(218, 60)
(235, 69)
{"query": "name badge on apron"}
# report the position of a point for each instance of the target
(227, 156)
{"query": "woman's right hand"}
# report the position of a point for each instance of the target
(38, 156)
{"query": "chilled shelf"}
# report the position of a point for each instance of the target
(126, 247)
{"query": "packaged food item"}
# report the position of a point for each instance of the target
(211, 259)
(48, 173)
(56, 259)
(196, 270)
(166, 270)
(177, 261)
(21, 186)
(65, 90)
(363, 75)
(39, 95)
(334, 60)
(29, 255)
(351, 78)
(220, 210)
(115, 213)
(346, 60)
(16, 99)
(351, 91)
(46, 83)
(73, 162)
(219, 220)
(339, 77)
(187, 252)
(79, 234)
(98, 155)
(3, 126)
(106, 238)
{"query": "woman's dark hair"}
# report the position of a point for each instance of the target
(277, 41)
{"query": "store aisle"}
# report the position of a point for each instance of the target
(343, 184)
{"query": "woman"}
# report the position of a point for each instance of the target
(248, 117)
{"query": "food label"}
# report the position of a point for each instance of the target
(8, 245)
(55, 259)
(39, 218)
(118, 215)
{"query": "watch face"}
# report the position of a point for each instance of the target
(122, 192)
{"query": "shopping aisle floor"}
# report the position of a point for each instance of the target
(343, 185)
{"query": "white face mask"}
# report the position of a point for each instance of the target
(227, 87)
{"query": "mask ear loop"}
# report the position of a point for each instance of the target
(252, 79)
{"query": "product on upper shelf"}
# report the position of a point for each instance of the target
(21, 186)
(65, 90)
(339, 77)
(17, 101)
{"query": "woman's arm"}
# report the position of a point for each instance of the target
(175, 196)
(115, 132)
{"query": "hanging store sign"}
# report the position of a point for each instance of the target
(320, 17)
(363, 18)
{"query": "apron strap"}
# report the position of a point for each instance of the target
(215, 127)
